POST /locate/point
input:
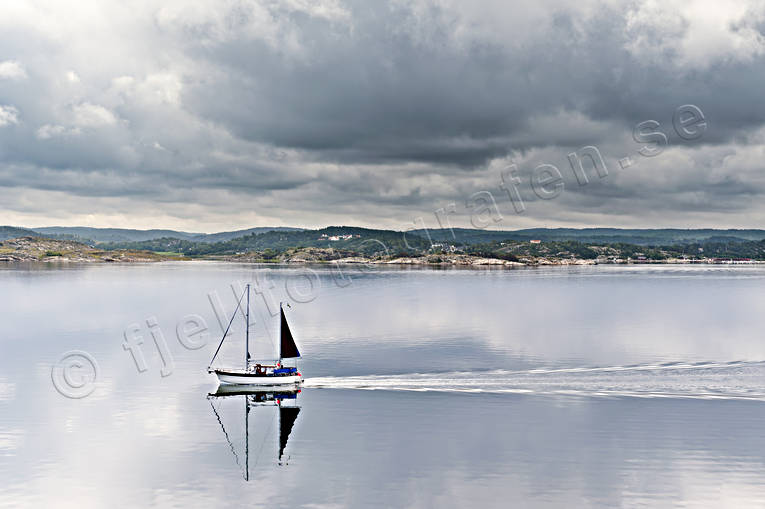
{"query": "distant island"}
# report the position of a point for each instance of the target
(347, 244)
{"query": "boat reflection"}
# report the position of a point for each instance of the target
(285, 399)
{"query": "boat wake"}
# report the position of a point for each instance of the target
(733, 380)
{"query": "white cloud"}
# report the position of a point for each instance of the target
(155, 88)
(8, 115)
(212, 21)
(49, 131)
(695, 34)
(10, 69)
(327, 9)
(92, 115)
(54, 131)
(122, 83)
(161, 87)
(73, 77)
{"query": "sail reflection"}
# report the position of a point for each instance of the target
(255, 399)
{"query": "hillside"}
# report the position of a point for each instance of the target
(223, 236)
(11, 232)
(604, 245)
(37, 249)
(360, 240)
(463, 236)
(95, 235)
(347, 241)
(358, 245)
(643, 237)
(102, 235)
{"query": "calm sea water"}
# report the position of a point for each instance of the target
(638, 386)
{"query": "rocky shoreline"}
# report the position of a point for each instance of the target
(329, 255)
(34, 249)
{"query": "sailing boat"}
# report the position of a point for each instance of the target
(258, 397)
(260, 373)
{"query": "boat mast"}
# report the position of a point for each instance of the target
(247, 334)
(281, 313)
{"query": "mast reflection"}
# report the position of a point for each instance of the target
(285, 399)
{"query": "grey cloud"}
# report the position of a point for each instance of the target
(375, 112)
(374, 93)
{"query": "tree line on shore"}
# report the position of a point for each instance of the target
(388, 243)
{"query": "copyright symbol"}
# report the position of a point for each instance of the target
(74, 375)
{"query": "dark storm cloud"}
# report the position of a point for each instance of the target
(377, 94)
(382, 110)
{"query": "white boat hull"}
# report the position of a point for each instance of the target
(234, 378)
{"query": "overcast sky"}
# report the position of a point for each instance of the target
(214, 115)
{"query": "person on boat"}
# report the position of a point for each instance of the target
(258, 369)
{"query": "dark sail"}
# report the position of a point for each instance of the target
(287, 417)
(288, 348)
